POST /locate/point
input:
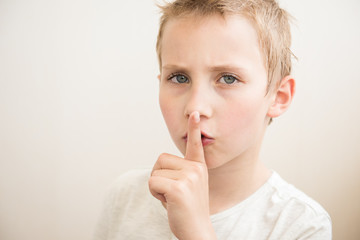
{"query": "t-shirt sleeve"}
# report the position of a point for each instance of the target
(318, 228)
(301, 217)
(112, 208)
(104, 222)
(315, 228)
(303, 222)
(119, 200)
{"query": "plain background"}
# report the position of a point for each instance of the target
(78, 107)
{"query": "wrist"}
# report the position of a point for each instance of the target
(206, 233)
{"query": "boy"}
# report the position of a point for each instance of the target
(224, 74)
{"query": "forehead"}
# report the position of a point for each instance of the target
(210, 39)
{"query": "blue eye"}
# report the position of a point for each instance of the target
(178, 78)
(228, 79)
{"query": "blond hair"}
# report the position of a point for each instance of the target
(270, 21)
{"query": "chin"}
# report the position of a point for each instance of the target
(212, 162)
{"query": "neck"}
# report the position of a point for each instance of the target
(234, 182)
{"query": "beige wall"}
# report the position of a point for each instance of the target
(78, 106)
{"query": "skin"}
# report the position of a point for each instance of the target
(212, 81)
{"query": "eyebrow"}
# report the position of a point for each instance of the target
(172, 66)
(217, 68)
(228, 67)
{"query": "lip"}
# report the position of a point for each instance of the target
(205, 139)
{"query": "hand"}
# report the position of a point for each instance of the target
(181, 184)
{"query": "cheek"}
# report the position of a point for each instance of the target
(172, 114)
(169, 110)
(243, 118)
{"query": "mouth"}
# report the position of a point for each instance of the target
(205, 138)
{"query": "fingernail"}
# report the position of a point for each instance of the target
(197, 117)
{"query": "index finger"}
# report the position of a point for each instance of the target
(194, 147)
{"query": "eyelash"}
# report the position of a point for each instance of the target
(176, 75)
(236, 79)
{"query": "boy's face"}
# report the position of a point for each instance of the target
(214, 66)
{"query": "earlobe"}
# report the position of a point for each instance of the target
(283, 97)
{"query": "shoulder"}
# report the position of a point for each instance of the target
(287, 194)
(303, 216)
(131, 179)
(127, 201)
(130, 184)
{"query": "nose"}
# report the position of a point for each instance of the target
(199, 99)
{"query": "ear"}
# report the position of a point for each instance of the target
(159, 77)
(283, 97)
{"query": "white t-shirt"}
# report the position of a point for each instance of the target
(277, 210)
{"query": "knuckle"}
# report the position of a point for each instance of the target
(198, 173)
(194, 170)
(192, 179)
(151, 183)
(193, 174)
(154, 173)
(179, 187)
(197, 168)
(162, 158)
